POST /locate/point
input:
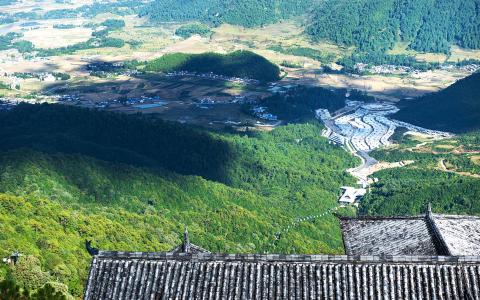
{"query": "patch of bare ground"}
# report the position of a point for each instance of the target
(42, 5)
(385, 87)
(387, 165)
(48, 37)
(475, 159)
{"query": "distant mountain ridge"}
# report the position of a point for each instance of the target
(369, 25)
(455, 109)
(247, 13)
(427, 25)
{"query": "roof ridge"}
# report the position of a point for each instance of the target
(436, 235)
(285, 257)
(456, 216)
(380, 218)
(376, 218)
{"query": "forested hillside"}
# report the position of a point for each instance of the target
(301, 102)
(455, 109)
(372, 25)
(243, 64)
(444, 173)
(248, 13)
(130, 183)
(407, 191)
(369, 25)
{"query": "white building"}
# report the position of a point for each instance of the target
(351, 195)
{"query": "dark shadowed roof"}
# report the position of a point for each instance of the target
(119, 275)
(387, 236)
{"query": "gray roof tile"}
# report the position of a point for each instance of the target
(150, 276)
(461, 234)
(387, 236)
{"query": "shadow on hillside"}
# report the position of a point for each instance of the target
(118, 138)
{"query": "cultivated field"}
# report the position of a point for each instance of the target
(145, 41)
(47, 37)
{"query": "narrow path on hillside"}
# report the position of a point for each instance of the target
(443, 167)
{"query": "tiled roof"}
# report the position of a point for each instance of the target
(187, 247)
(461, 234)
(387, 236)
(116, 275)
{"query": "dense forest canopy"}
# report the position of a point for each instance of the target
(372, 25)
(131, 183)
(455, 109)
(407, 191)
(247, 13)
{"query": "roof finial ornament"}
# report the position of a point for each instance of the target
(186, 241)
(429, 209)
(91, 250)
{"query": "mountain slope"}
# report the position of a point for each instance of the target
(455, 109)
(371, 25)
(248, 13)
(443, 172)
(70, 174)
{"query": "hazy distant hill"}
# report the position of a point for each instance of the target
(247, 13)
(455, 109)
(428, 25)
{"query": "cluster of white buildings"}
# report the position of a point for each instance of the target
(66, 98)
(143, 102)
(383, 69)
(361, 127)
(368, 126)
(213, 76)
(8, 103)
(14, 80)
(277, 88)
(261, 113)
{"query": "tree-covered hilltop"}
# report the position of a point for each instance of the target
(454, 109)
(372, 25)
(247, 13)
(300, 103)
(243, 64)
(131, 183)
